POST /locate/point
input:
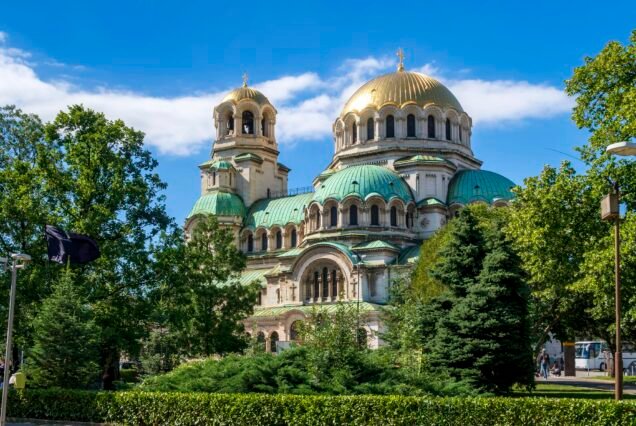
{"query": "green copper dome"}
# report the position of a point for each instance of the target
(219, 204)
(468, 186)
(364, 181)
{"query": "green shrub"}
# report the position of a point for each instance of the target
(158, 408)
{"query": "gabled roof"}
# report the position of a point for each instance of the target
(277, 211)
(422, 159)
(431, 201)
(219, 203)
(250, 275)
(217, 164)
(375, 245)
(468, 186)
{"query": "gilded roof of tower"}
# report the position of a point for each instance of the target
(401, 88)
(246, 92)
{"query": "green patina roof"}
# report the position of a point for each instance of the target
(220, 204)
(292, 252)
(409, 255)
(247, 156)
(249, 276)
(428, 159)
(308, 309)
(284, 167)
(277, 211)
(371, 180)
(375, 245)
(217, 164)
(468, 186)
(432, 201)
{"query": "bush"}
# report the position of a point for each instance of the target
(150, 408)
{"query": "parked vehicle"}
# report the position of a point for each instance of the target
(595, 355)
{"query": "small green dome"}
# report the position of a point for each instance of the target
(219, 204)
(468, 186)
(364, 181)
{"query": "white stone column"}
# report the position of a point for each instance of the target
(376, 134)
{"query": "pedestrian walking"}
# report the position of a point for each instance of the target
(545, 365)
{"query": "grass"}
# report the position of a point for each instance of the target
(549, 390)
(626, 379)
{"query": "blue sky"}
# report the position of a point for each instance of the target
(161, 66)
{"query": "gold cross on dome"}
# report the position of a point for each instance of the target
(400, 54)
(245, 77)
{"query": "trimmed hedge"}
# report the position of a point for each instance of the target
(156, 408)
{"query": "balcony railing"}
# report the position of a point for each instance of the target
(293, 191)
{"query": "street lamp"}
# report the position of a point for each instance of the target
(610, 210)
(20, 261)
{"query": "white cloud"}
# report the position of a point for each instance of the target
(307, 103)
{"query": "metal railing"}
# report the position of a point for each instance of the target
(293, 191)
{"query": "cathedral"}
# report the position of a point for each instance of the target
(402, 166)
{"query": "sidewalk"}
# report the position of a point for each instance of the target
(587, 380)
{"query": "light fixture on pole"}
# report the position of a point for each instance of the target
(20, 261)
(610, 210)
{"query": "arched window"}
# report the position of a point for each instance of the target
(316, 285)
(278, 300)
(248, 123)
(409, 220)
(410, 126)
(230, 123)
(370, 129)
(325, 283)
(354, 133)
(390, 126)
(264, 130)
(250, 243)
(260, 341)
(448, 129)
(259, 300)
(375, 216)
(293, 331)
(279, 240)
(431, 127)
(353, 215)
(334, 284)
(273, 340)
(264, 241)
(230, 174)
(269, 193)
(213, 178)
(461, 137)
(334, 216)
(293, 238)
(393, 216)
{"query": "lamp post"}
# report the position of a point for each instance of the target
(610, 210)
(19, 262)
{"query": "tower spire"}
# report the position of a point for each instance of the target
(245, 77)
(400, 54)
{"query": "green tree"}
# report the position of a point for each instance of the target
(26, 205)
(552, 223)
(201, 295)
(105, 182)
(423, 285)
(65, 351)
(480, 327)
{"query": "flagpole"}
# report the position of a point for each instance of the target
(19, 262)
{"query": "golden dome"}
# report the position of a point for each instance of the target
(401, 88)
(245, 92)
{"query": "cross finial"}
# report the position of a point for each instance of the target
(400, 54)
(245, 77)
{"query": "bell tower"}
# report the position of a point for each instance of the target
(245, 123)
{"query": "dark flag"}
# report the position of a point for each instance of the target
(76, 248)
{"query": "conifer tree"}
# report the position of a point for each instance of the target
(65, 340)
(481, 326)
